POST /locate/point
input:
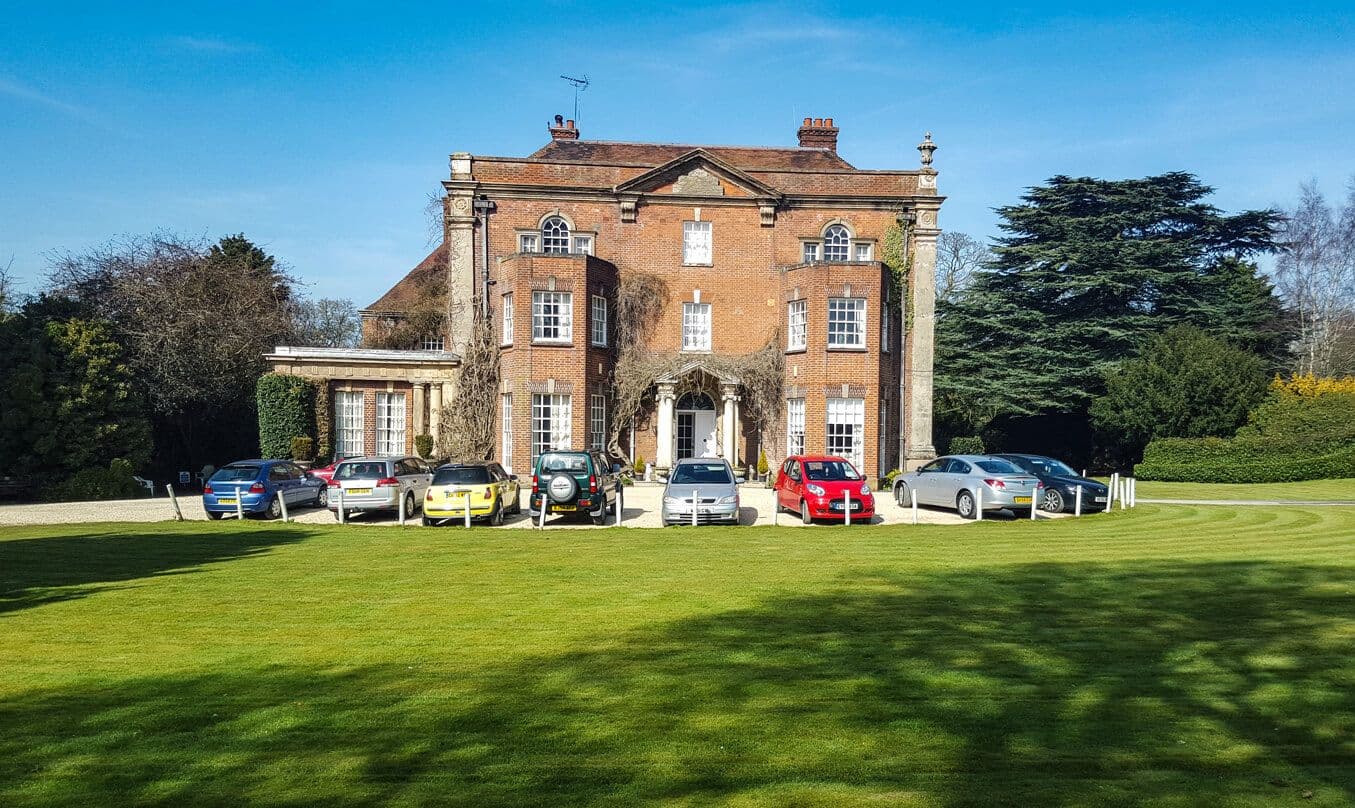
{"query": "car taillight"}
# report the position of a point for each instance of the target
(592, 483)
(534, 488)
(207, 489)
(256, 488)
(489, 492)
(997, 484)
(334, 484)
(388, 482)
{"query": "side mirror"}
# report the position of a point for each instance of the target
(513, 477)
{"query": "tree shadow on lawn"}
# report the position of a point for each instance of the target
(1031, 685)
(37, 571)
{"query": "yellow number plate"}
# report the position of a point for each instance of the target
(1021, 500)
(564, 508)
(225, 500)
(358, 491)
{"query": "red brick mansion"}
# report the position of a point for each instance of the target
(753, 245)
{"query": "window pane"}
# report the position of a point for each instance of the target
(696, 326)
(597, 422)
(508, 319)
(550, 424)
(846, 322)
(348, 417)
(846, 428)
(696, 243)
(863, 252)
(527, 242)
(795, 426)
(811, 251)
(553, 316)
(432, 343)
(390, 423)
(554, 235)
(836, 240)
(797, 325)
(598, 326)
(506, 430)
(583, 245)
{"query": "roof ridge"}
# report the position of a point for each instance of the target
(700, 145)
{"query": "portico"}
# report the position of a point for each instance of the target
(690, 424)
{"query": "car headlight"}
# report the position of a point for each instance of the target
(673, 500)
(729, 500)
(865, 489)
(816, 490)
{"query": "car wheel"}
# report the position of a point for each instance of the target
(1052, 501)
(274, 509)
(517, 502)
(496, 518)
(901, 497)
(600, 516)
(322, 498)
(214, 516)
(408, 505)
(804, 513)
(964, 505)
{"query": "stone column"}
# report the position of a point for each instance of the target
(731, 401)
(460, 238)
(663, 453)
(920, 343)
(435, 413)
(420, 410)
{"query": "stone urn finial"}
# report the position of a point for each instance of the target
(926, 147)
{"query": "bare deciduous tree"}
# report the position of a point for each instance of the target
(1315, 273)
(7, 290)
(327, 323)
(958, 257)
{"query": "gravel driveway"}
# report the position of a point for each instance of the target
(641, 510)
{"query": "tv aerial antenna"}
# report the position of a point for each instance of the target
(580, 85)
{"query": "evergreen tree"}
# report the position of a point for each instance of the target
(1088, 271)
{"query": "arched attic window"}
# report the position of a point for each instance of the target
(555, 235)
(837, 243)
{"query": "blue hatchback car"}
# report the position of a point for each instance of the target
(254, 485)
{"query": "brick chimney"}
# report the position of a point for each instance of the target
(563, 129)
(819, 133)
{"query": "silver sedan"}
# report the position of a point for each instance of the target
(704, 485)
(963, 482)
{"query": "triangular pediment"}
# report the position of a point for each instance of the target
(693, 366)
(697, 173)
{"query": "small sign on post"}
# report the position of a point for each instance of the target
(185, 478)
(173, 500)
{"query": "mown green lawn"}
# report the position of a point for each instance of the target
(1161, 656)
(1309, 491)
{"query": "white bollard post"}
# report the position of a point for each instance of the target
(239, 503)
(1124, 485)
(339, 491)
(282, 503)
(912, 495)
(173, 500)
(847, 506)
(1133, 492)
(696, 498)
(1111, 489)
(541, 518)
(776, 508)
(1077, 501)
(978, 503)
(1034, 501)
(620, 503)
(467, 509)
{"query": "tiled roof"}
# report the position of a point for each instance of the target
(403, 295)
(652, 154)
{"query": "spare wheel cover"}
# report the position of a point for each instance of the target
(562, 488)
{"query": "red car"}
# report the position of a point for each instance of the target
(819, 487)
(326, 473)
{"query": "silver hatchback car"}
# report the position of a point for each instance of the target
(379, 484)
(705, 485)
(963, 481)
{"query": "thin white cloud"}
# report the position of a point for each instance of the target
(209, 44)
(22, 92)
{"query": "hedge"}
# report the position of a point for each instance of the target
(286, 411)
(1288, 439)
(966, 445)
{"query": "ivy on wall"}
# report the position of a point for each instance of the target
(286, 411)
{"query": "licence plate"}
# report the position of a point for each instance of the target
(1021, 500)
(1100, 499)
(358, 491)
(225, 500)
(564, 508)
(455, 494)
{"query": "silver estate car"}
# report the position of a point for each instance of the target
(706, 484)
(379, 484)
(961, 481)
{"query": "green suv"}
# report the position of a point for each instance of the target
(575, 482)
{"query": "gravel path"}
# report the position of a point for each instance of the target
(641, 510)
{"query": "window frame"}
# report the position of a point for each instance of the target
(564, 316)
(859, 305)
(561, 238)
(506, 429)
(534, 247)
(884, 326)
(433, 344)
(597, 321)
(352, 401)
(833, 242)
(868, 246)
(855, 410)
(507, 319)
(597, 422)
(803, 326)
(558, 409)
(808, 247)
(391, 423)
(795, 417)
(581, 244)
(691, 312)
(696, 226)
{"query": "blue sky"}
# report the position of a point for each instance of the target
(319, 130)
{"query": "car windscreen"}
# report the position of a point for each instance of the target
(698, 473)
(235, 474)
(462, 475)
(998, 467)
(1051, 467)
(370, 470)
(830, 471)
(568, 463)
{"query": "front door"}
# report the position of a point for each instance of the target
(696, 434)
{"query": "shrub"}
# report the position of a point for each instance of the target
(423, 444)
(303, 448)
(887, 483)
(286, 409)
(639, 465)
(114, 482)
(762, 467)
(966, 444)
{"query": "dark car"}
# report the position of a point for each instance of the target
(1060, 483)
(254, 486)
(577, 483)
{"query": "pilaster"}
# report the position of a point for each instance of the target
(460, 236)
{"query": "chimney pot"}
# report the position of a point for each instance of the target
(808, 121)
(563, 129)
(828, 122)
(559, 119)
(818, 133)
(569, 124)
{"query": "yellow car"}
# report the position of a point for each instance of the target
(491, 491)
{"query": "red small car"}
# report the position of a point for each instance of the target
(326, 473)
(820, 486)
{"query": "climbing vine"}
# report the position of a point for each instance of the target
(467, 425)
